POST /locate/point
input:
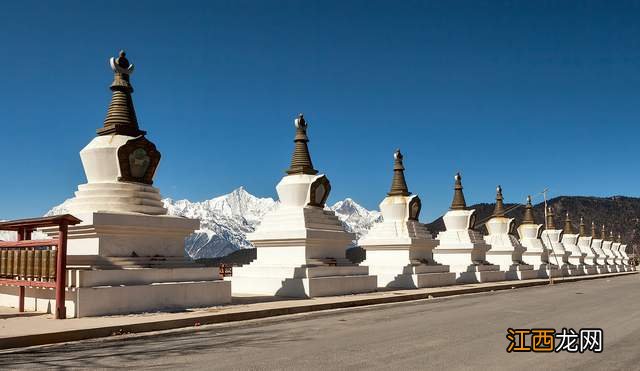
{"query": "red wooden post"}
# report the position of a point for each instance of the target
(21, 236)
(21, 299)
(61, 271)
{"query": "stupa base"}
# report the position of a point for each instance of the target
(590, 269)
(302, 281)
(564, 270)
(591, 261)
(544, 270)
(111, 234)
(413, 276)
(602, 261)
(125, 291)
(461, 257)
(120, 263)
(602, 269)
(536, 259)
(621, 268)
(520, 272)
(578, 261)
(513, 270)
(479, 273)
(575, 270)
(550, 271)
(541, 265)
(613, 268)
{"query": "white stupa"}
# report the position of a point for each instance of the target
(535, 252)
(399, 249)
(607, 242)
(596, 245)
(552, 237)
(615, 249)
(584, 243)
(570, 243)
(625, 257)
(127, 255)
(463, 248)
(506, 251)
(301, 246)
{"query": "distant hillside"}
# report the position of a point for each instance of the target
(617, 212)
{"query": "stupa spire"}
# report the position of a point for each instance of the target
(499, 209)
(568, 226)
(398, 184)
(458, 202)
(301, 159)
(594, 232)
(551, 223)
(528, 213)
(583, 228)
(603, 233)
(121, 116)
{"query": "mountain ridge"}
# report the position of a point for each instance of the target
(226, 219)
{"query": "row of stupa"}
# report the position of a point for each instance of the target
(128, 255)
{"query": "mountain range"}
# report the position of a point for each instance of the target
(226, 220)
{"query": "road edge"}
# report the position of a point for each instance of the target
(216, 318)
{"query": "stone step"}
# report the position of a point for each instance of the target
(329, 261)
(109, 300)
(98, 262)
(140, 276)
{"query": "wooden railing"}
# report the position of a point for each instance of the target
(225, 270)
(36, 263)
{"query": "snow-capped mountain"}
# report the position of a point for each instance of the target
(7, 236)
(12, 236)
(356, 218)
(225, 220)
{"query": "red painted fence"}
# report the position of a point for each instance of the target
(225, 270)
(36, 263)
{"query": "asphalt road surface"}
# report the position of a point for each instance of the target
(465, 332)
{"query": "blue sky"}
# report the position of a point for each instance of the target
(526, 94)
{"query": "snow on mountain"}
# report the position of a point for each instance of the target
(7, 236)
(225, 220)
(356, 218)
(12, 236)
(59, 209)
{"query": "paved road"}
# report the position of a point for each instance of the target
(466, 332)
